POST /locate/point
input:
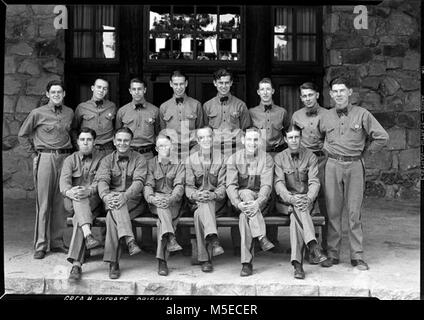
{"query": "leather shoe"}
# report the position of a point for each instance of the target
(133, 248)
(298, 272)
(75, 274)
(39, 254)
(329, 262)
(265, 244)
(246, 270)
(316, 256)
(216, 248)
(359, 264)
(59, 249)
(173, 245)
(207, 266)
(163, 268)
(114, 272)
(91, 242)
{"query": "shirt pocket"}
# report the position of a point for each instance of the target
(213, 177)
(170, 177)
(158, 175)
(331, 134)
(198, 177)
(48, 128)
(76, 177)
(303, 175)
(191, 117)
(243, 179)
(148, 126)
(234, 119)
(128, 122)
(89, 119)
(116, 177)
(277, 124)
(213, 119)
(167, 117)
(355, 130)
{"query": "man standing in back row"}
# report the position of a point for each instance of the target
(346, 128)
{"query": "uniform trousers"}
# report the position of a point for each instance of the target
(321, 198)
(344, 186)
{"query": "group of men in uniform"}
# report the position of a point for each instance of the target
(212, 160)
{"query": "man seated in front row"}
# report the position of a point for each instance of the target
(80, 191)
(249, 183)
(205, 191)
(121, 178)
(163, 192)
(297, 185)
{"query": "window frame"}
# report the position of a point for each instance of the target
(153, 63)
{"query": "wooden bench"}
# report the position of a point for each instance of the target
(280, 221)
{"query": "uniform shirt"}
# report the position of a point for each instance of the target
(119, 176)
(188, 114)
(46, 128)
(164, 178)
(312, 138)
(254, 173)
(346, 135)
(296, 175)
(100, 119)
(143, 122)
(227, 119)
(79, 171)
(205, 174)
(273, 121)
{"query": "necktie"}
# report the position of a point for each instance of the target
(179, 100)
(99, 103)
(312, 112)
(138, 106)
(223, 99)
(87, 156)
(58, 109)
(268, 107)
(123, 158)
(295, 155)
(341, 111)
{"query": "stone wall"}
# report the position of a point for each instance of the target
(383, 64)
(34, 55)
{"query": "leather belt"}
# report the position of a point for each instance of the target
(145, 149)
(55, 150)
(344, 158)
(319, 153)
(276, 149)
(106, 146)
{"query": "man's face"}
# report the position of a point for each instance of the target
(178, 85)
(251, 141)
(163, 147)
(204, 138)
(137, 91)
(309, 97)
(122, 142)
(55, 95)
(223, 85)
(85, 142)
(99, 89)
(265, 92)
(292, 139)
(340, 94)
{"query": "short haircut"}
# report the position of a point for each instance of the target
(222, 73)
(102, 80)
(254, 129)
(340, 80)
(204, 127)
(178, 74)
(162, 136)
(290, 128)
(87, 130)
(55, 83)
(308, 85)
(125, 130)
(137, 80)
(265, 80)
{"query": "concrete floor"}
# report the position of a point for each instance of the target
(392, 250)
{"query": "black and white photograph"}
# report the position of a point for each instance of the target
(158, 152)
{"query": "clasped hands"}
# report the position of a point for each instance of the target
(115, 200)
(78, 192)
(204, 196)
(249, 208)
(162, 202)
(300, 201)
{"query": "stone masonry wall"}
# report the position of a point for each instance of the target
(383, 63)
(34, 55)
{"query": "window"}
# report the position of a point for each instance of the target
(296, 34)
(94, 32)
(194, 33)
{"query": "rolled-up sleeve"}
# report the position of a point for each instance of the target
(232, 181)
(179, 181)
(103, 177)
(139, 179)
(25, 132)
(279, 179)
(267, 177)
(313, 180)
(65, 180)
(379, 137)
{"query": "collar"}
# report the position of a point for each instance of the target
(117, 155)
(94, 101)
(263, 105)
(53, 107)
(251, 157)
(219, 96)
(349, 108)
(142, 102)
(164, 161)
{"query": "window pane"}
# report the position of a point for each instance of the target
(306, 48)
(182, 47)
(160, 46)
(206, 47)
(306, 20)
(83, 17)
(105, 45)
(206, 18)
(283, 48)
(289, 98)
(160, 18)
(283, 20)
(229, 19)
(105, 17)
(83, 45)
(229, 47)
(183, 19)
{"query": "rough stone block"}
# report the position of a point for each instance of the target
(9, 142)
(388, 39)
(390, 177)
(409, 159)
(6, 129)
(394, 103)
(20, 28)
(413, 137)
(397, 138)
(370, 41)
(342, 8)
(363, 71)
(46, 28)
(401, 24)
(47, 48)
(395, 160)
(371, 82)
(386, 119)
(43, 10)
(13, 10)
(379, 11)
(30, 66)
(394, 50)
(374, 189)
(37, 86)
(224, 289)
(25, 285)
(371, 100)
(26, 104)
(9, 64)
(54, 66)
(12, 85)
(89, 286)
(9, 103)
(348, 291)
(412, 101)
(381, 160)
(394, 63)
(387, 294)
(335, 58)
(409, 84)
(279, 289)
(21, 48)
(409, 120)
(163, 288)
(412, 61)
(389, 86)
(357, 56)
(343, 41)
(414, 42)
(14, 193)
(376, 68)
(410, 193)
